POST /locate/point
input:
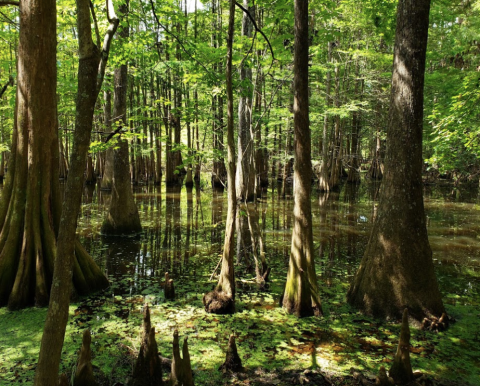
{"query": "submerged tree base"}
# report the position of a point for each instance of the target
(218, 302)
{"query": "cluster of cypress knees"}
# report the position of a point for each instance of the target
(148, 366)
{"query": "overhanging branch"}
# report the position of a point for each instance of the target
(4, 88)
(256, 28)
(9, 2)
(107, 42)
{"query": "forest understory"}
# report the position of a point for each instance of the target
(275, 348)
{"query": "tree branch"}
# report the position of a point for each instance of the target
(95, 23)
(256, 28)
(4, 88)
(107, 42)
(110, 135)
(9, 2)
(8, 19)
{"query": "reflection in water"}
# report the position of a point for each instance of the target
(183, 234)
(172, 241)
(217, 218)
(125, 263)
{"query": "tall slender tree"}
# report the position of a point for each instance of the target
(397, 269)
(245, 178)
(301, 292)
(245, 175)
(222, 299)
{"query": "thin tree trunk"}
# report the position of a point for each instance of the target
(222, 299)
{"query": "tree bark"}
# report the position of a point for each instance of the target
(219, 173)
(222, 299)
(86, 274)
(122, 217)
(397, 270)
(245, 175)
(245, 178)
(301, 292)
(30, 205)
(107, 176)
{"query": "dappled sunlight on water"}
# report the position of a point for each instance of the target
(183, 235)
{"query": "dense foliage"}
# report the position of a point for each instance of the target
(181, 49)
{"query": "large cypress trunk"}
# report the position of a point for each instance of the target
(30, 206)
(29, 211)
(122, 217)
(397, 268)
(301, 291)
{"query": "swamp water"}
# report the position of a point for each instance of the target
(183, 235)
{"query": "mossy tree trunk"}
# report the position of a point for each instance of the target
(122, 217)
(301, 291)
(397, 268)
(86, 275)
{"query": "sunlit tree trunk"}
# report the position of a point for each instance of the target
(86, 275)
(397, 269)
(375, 171)
(301, 292)
(222, 299)
(63, 170)
(158, 142)
(152, 130)
(245, 178)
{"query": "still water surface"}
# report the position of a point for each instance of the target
(183, 234)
